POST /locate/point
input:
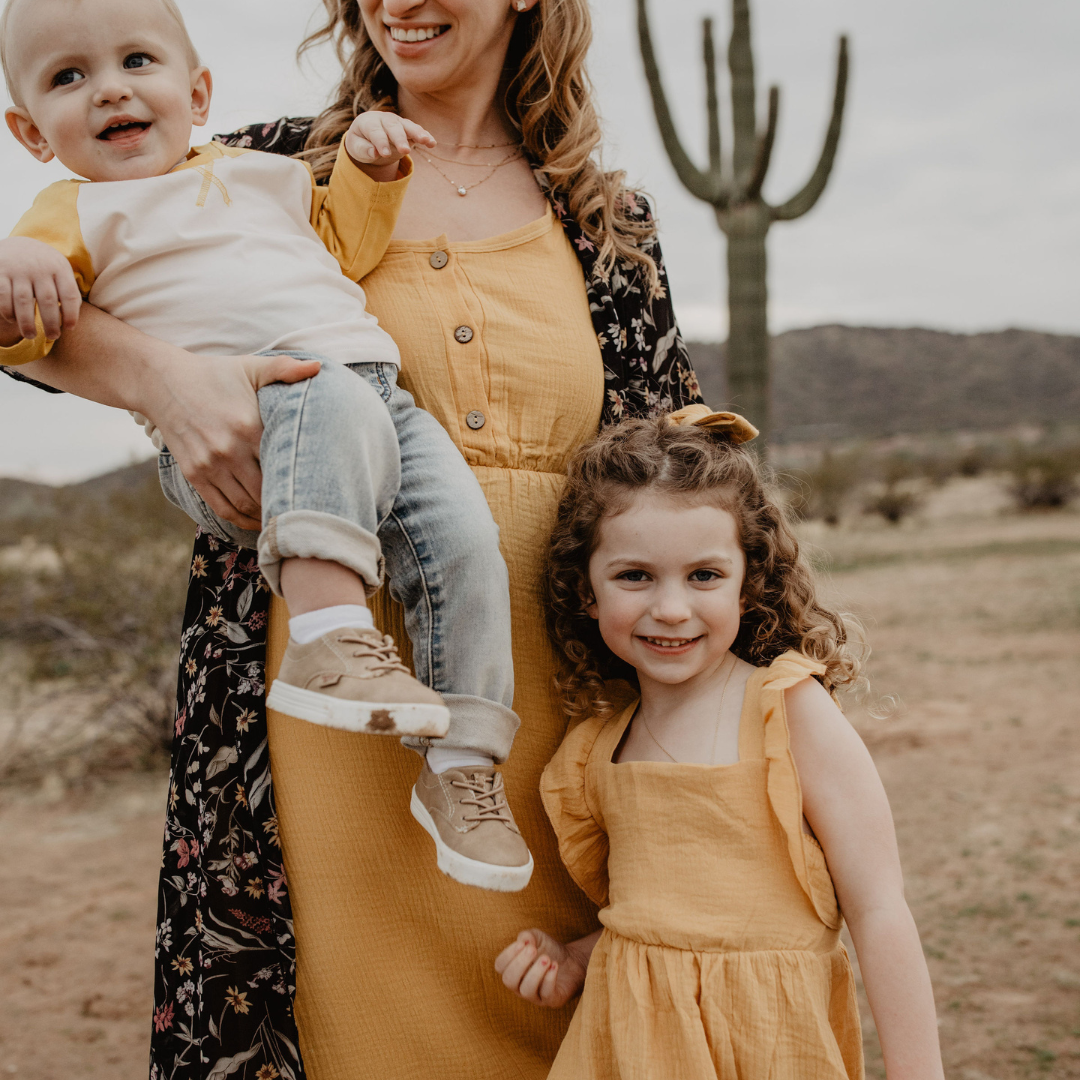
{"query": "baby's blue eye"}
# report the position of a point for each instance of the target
(137, 60)
(67, 77)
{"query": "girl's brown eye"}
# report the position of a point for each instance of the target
(704, 575)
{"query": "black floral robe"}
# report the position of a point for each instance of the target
(225, 952)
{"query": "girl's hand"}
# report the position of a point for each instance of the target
(541, 969)
(30, 272)
(378, 140)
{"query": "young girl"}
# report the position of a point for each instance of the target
(726, 817)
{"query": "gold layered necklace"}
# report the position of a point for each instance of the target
(716, 729)
(492, 167)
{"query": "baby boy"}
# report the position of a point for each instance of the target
(230, 252)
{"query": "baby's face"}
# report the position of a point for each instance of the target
(106, 86)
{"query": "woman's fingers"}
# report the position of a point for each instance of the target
(518, 965)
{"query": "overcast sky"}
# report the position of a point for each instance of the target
(954, 203)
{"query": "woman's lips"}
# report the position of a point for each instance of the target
(402, 46)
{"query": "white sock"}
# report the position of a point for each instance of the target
(311, 626)
(439, 760)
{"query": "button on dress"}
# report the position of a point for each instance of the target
(721, 956)
(395, 975)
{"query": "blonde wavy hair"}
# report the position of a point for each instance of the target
(548, 98)
(692, 465)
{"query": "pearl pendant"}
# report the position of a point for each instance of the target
(462, 191)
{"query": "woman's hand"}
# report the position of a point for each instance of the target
(205, 406)
(377, 141)
(208, 415)
(543, 970)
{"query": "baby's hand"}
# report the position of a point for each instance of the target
(378, 139)
(541, 969)
(32, 271)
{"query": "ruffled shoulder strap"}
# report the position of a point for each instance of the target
(583, 843)
(785, 792)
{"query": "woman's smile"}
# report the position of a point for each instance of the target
(409, 34)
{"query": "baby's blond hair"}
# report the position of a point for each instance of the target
(5, 53)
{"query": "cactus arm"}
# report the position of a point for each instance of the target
(741, 63)
(764, 147)
(703, 186)
(804, 200)
(711, 100)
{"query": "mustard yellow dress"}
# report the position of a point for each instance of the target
(395, 961)
(721, 954)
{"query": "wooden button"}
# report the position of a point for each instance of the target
(439, 259)
(463, 335)
(476, 420)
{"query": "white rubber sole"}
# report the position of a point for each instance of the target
(372, 717)
(481, 875)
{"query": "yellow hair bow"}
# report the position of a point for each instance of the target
(737, 428)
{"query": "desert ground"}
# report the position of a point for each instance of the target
(972, 713)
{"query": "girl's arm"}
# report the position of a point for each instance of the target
(205, 406)
(543, 970)
(846, 806)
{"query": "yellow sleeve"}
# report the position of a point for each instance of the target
(54, 220)
(355, 216)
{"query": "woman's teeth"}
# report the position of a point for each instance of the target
(669, 643)
(399, 33)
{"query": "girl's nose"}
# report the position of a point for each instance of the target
(399, 9)
(670, 605)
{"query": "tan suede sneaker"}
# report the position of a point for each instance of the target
(353, 679)
(476, 840)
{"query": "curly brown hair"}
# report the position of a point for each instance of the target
(548, 98)
(697, 465)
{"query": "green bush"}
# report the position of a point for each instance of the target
(1044, 478)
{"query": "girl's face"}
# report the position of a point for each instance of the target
(456, 43)
(667, 587)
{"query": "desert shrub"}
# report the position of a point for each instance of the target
(92, 604)
(822, 492)
(1044, 478)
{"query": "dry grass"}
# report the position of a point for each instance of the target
(973, 613)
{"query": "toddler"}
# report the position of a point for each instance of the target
(725, 818)
(225, 251)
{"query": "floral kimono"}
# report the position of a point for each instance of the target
(225, 953)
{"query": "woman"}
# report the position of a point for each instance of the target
(530, 307)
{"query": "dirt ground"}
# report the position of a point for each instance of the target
(973, 717)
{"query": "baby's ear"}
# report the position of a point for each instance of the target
(22, 126)
(202, 89)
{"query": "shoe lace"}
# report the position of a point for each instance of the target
(381, 650)
(488, 796)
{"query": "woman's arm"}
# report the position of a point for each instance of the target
(846, 806)
(543, 970)
(205, 406)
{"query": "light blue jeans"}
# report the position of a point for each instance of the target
(355, 473)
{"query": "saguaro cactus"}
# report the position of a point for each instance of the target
(733, 189)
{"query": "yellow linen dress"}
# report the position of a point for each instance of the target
(395, 961)
(721, 955)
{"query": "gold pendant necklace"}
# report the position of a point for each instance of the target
(476, 164)
(716, 729)
(463, 189)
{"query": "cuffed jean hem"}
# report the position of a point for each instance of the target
(475, 724)
(311, 534)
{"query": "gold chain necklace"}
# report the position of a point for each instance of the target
(716, 730)
(475, 164)
(464, 189)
